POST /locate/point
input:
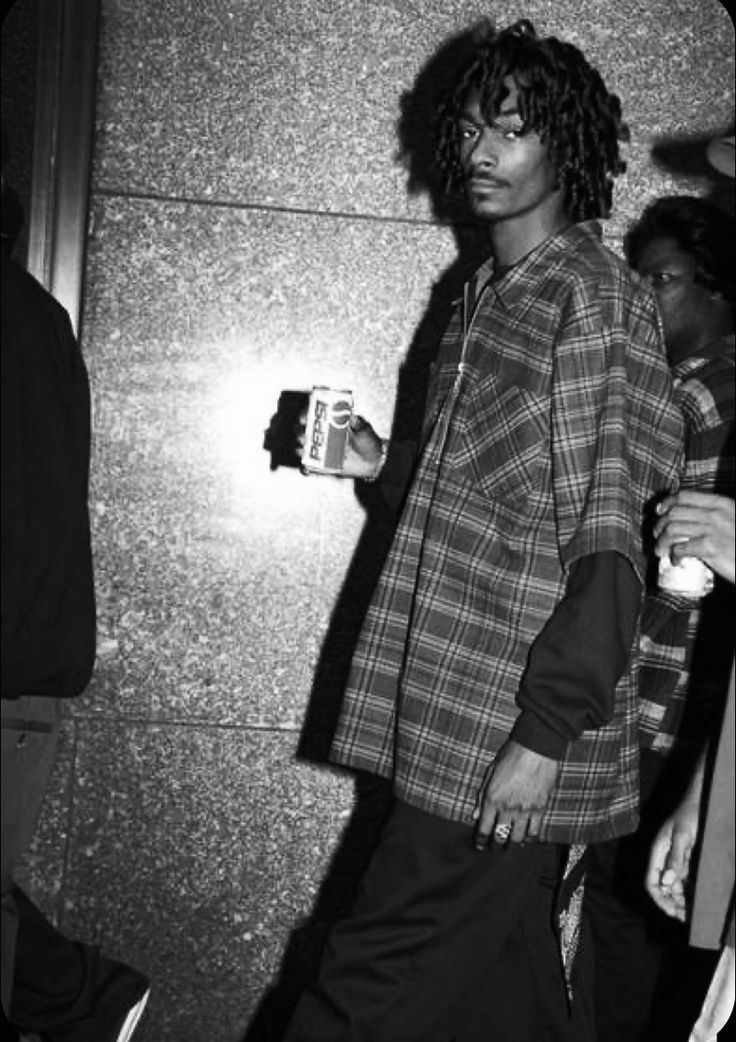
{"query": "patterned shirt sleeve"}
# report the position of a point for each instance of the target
(686, 649)
(607, 426)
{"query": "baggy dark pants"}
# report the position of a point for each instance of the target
(446, 944)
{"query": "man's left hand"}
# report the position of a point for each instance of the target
(514, 795)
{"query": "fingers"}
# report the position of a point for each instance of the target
(535, 823)
(485, 822)
(658, 889)
(657, 858)
(692, 513)
(300, 431)
(504, 828)
(689, 498)
(357, 423)
(677, 863)
(697, 546)
(667, 872)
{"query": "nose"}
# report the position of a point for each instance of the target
(484, 151)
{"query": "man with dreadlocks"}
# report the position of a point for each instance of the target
(494, 679)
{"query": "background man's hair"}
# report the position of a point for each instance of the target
(702, 230)
(561, 97)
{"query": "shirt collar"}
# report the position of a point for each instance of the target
(514, 285)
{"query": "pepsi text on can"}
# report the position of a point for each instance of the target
(327, 429)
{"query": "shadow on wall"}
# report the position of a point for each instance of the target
(416, 132)
(687, 157)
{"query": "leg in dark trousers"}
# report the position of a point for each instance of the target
(445, 944)
(646, 978)
(50, 984)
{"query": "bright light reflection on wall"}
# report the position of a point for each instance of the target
(236, 416)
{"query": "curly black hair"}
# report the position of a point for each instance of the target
(562, 98)
(700, 229)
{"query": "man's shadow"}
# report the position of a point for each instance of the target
(417, 134)
(686, 156)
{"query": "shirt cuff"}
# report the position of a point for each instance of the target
(534, 734)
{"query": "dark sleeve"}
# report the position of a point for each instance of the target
(580, 655)
(48, 609)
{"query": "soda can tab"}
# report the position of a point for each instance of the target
(327, 429)
(690, 577)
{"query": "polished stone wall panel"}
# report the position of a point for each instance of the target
(294, 104)
(216, 575)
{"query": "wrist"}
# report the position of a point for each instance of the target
(380, 463)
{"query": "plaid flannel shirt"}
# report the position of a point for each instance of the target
(550, 423)
(686, 651)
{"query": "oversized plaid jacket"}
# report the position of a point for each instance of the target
(686, 650)
(549, 425)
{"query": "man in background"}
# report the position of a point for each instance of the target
(685, 248)
(690, 874)
(53, 988)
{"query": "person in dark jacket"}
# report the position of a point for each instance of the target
(53, 987)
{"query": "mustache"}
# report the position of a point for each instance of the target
(476, 177)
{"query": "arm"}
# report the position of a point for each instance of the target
(370, 458)
(579, 657)
(669, 859)
(568, 687)
(705, 522)
(615, 436)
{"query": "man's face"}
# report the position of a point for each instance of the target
(685, 305)
(506, 174)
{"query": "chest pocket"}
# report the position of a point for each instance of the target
(504, 436)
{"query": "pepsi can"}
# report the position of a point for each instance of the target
(326, 433)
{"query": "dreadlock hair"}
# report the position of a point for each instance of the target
(562, 98)
(701, 230)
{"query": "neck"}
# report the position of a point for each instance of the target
(515, 237)
(703, 346)
(706, 340)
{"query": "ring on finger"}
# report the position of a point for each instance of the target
(502, 832)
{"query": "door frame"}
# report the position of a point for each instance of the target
(66, 76)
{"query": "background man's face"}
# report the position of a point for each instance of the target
(684, 304)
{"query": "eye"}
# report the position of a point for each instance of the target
(509, 131)
(466, 131)
(661, 278)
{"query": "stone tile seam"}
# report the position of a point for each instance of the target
(71, 801)
(231, 204)
(137, 721)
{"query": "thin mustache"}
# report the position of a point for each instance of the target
(487, 179)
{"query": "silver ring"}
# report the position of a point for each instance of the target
(502, 832)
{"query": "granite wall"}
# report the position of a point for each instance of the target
(251, 234)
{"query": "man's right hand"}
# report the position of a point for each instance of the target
(363, 453)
